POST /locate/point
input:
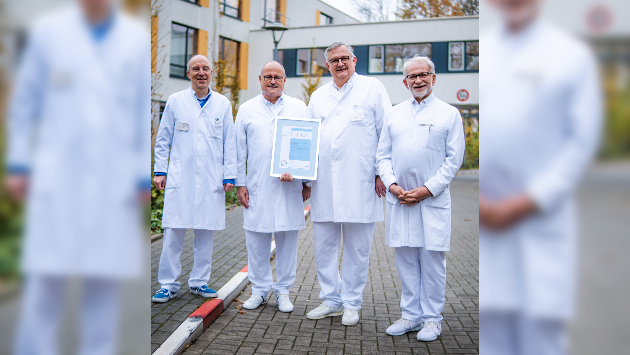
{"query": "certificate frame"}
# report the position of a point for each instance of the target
(309, 130)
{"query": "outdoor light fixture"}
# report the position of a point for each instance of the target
(273, 27)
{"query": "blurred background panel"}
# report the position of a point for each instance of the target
(89, 178)
(596, 259)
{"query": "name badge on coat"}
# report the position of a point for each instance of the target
(358, 114)
(182, 126)
(217, 121)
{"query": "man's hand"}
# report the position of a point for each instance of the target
(159, 181)
(505, 213)
(396, 190)
(228, 187)
(306, 192)
(17, 186)
(243, 196)
(286, 177)
(414, 196)
(379, 187)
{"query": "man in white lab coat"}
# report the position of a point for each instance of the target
(420, 150)
(272, 205)
(79, 145)
(347, 193)
(535, 147)
(198, 131)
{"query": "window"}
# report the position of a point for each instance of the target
(281, 56)
(376, 59)
(472, 55)
(183, 47)
(318, 60)
(191, 1)
(310, 61)
(229, 8)
(456, 56)
(229, 54)
(303, 61)
(325, 19)
(396, 54)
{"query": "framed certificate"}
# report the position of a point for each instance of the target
(296, 147)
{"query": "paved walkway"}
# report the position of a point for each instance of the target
(266, 330)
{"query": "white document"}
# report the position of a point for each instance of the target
(295, 147)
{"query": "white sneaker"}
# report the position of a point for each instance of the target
(350, 317)
(323, 311)
(429, 332)
(254, 301)
(403, 326)
(284, 304)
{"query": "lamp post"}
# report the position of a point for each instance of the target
(273, 27)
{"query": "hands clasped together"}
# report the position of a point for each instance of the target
(411, 197)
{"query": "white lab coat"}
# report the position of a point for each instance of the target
(274, 205)
(541, 111)
(425, 149)
(200, 159)
(91, 144)
(351, 126)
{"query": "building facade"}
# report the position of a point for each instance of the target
(234, 31)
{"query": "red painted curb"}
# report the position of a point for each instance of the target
(244, 269)
(209, 311)
(308, 208)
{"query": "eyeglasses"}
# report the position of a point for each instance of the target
(269, 77)
(423, 75)
(197, 69)
(336, 61)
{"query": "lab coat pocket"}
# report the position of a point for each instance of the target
(437, 140)
(390, 198)
(443, 200)
(219, 168)
(215, 127)
(173, 175)
(358, 116)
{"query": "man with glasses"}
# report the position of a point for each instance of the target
(272, 205)
(197, 130)
(420, 150)
(347, 193)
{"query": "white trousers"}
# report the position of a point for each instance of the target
(423, 277)
(170, 261)
(512, 334)
(357, 240)
(259, 263)
(42, 311)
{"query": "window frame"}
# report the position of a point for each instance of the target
(399, 44)
(329, 19)
(223, 4)
(382, 46)
(463, 55)
(466, 56)
(222, 53)
(308, 62)
(194, 50)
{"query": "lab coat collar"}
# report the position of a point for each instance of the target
(266, 102)
(348, 83)
(424, 102)
(195, 94)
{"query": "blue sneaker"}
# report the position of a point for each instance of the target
(203, 291)
(163, 295)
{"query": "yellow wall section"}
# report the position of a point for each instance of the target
(317, 13)
(154, 44)
(202, 43)
(243, 64)
(204, 3)
(245, 10)
(283, 10)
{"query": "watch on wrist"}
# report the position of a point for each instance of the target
(307, 183)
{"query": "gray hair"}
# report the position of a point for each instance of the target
(197, 56)
(418, 58)
(338, 44)
(284, 72)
